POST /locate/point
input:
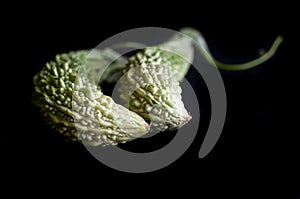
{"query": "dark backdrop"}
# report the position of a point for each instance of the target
(257, 153)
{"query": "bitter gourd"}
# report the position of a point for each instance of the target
(150, 84)
(72, 103)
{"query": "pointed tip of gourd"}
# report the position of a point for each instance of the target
(185, 120)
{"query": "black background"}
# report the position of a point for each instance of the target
(257, 154)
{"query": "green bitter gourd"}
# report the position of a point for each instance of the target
(72, 103)
(150, 84)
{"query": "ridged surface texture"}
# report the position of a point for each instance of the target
(150, 86)
(71, 102)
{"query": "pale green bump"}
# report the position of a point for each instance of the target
(54, 71)
(62, 83)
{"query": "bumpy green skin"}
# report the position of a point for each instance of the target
(73, 105)
(151, 88)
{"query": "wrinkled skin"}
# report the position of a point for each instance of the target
(150, 85)
(70, 101)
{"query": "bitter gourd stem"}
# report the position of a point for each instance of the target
(203, 49)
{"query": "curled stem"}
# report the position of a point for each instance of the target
(203, 49)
